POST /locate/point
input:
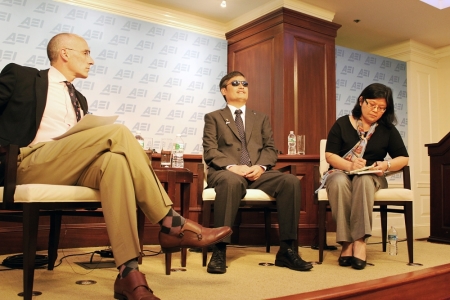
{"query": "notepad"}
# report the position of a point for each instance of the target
(365, 170)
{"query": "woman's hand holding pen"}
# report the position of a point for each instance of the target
(358, 164)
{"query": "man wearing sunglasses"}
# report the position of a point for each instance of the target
(239, 150)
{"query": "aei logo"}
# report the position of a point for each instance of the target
(14, 38)
(99, 105)
(31, 22)
(46, 7)
(197, 117)
(77, 14)
(119, 40)
(35, 60)
(175, 114)
(151, 111)
(185, 100)
(162, 97)
(207, 103)
(154, 31)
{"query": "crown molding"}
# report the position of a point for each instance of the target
(155, 14)
(411, 51)
(274, 5)
(159, 15)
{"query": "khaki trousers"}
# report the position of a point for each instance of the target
(107, 158)
(351, 199)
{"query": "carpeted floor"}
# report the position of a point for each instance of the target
(245, 278)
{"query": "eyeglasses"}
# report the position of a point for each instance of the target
(237, 83)
(373, 106)
(85, 52)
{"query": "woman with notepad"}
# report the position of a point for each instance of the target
(357, 147)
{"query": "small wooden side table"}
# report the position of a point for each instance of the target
(177, 183)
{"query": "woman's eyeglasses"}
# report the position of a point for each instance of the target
(237, 83)
(373, 106)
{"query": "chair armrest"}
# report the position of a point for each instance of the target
(10, 153)
(406, 176)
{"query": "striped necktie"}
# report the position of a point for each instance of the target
(245, 157)
(73, 98)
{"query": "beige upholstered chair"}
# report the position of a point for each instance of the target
(395, 200)
(255, 199)
(25, 203)
(28, 201)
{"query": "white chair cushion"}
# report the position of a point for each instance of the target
(252, 195)
(27, 193)
(382, 195)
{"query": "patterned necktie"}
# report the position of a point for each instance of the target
(245, 157)
(73, 98)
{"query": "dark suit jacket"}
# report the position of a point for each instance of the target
(23, 96)
(222, 145)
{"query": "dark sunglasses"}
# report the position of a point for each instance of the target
(237, 82)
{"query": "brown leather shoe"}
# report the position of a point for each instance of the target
(133, 287)
(192, 235)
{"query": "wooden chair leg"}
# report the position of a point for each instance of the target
(183, 257)
(206, 211)
(408, 208)
(141, 225)
(322, 229)
(383, 216)
(30, 231)
(53, 240)
(168, 261)
(267, 227)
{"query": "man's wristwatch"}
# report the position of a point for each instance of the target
(388, 166)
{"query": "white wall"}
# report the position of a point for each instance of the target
(428, 73)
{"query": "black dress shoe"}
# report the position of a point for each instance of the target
(345, 261)
(218, 262)
(290, 259)
(358, 264)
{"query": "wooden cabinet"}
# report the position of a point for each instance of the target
(288, 59)
(440, 190)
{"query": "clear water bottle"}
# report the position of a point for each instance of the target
(392, 240)
(291, 143)
(177, 153)
(139, 138)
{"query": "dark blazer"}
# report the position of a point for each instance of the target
(23, 96)
(222, 145)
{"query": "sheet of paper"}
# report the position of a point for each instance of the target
(367, 172)
(88, 122)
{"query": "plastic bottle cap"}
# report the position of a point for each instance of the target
(291, 132)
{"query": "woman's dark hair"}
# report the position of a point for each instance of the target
(377, 91)
(224, 80)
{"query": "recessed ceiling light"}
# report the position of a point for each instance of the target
(223, 4)
(440, 4)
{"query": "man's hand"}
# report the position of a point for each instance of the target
(255, 172)
(251, 173)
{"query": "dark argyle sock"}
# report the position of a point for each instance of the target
(126, 268)
(172, 223)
